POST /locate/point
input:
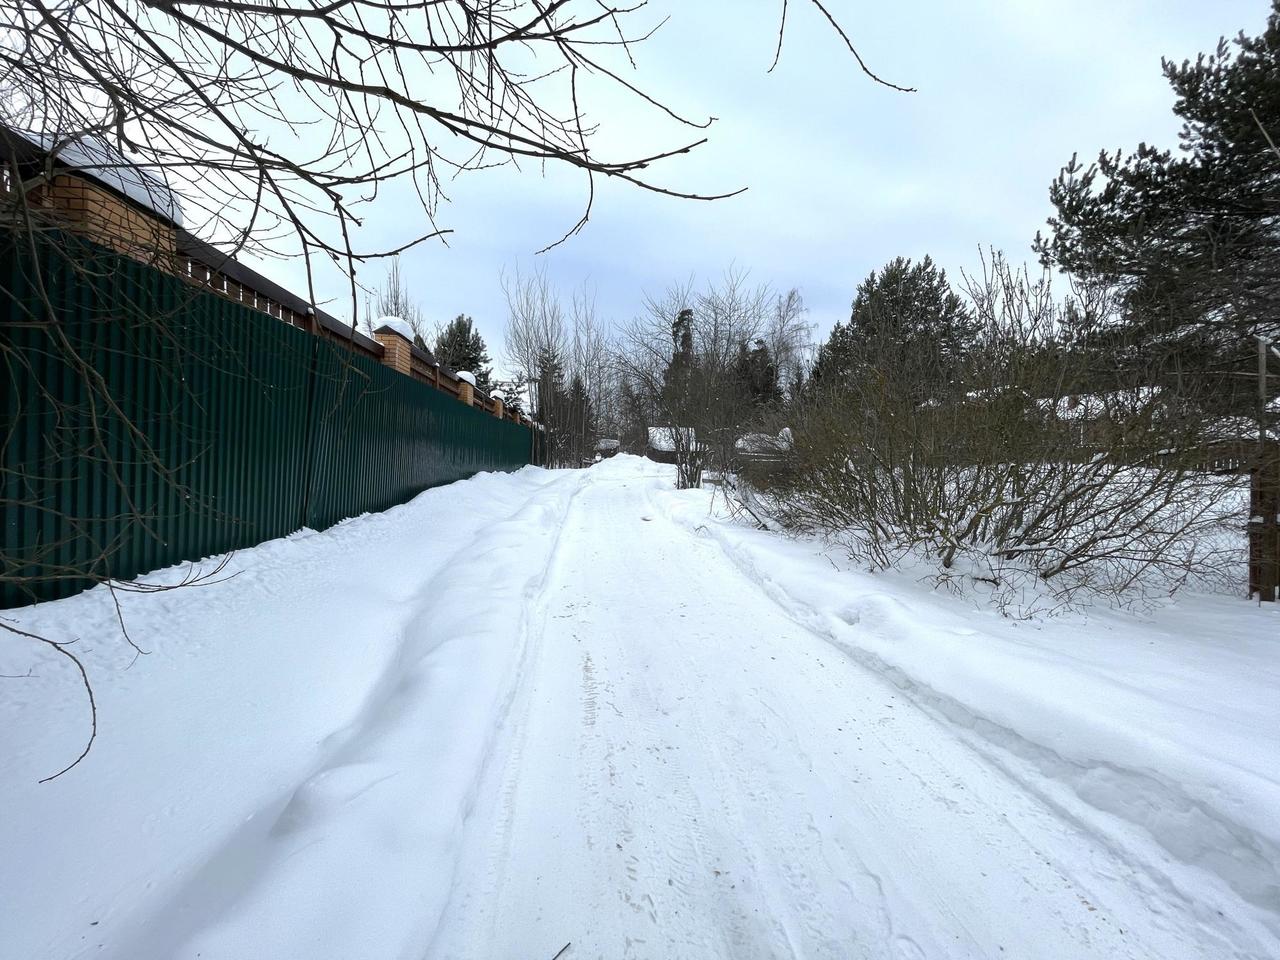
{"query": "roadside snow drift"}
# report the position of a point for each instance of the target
(532, 710)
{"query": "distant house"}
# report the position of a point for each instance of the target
(1115, 405)
(606, 448)
(762, 447)
(661, 445)
(1093, 419)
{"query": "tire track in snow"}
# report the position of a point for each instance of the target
(366, 763)
(1040, 771)
(499, 774)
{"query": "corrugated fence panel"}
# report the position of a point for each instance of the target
(154, 423)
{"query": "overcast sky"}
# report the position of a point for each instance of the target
(843, 174)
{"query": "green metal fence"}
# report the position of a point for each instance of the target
(147, 422)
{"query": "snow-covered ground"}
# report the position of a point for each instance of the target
(581, 707)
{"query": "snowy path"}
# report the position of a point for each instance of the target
(575, 707)
(686, 772)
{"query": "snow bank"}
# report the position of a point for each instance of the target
(1165, 723)
(256, 752)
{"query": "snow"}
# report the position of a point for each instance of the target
(102, 162)
(580, 706)
(467, 377)
(395, 325)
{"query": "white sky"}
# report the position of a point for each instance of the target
(843, 174)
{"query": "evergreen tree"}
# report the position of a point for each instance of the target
(904, 317)
(679, 372)
(757, 374)
(460, 347)
(514, 392)
(578, 419)
(1190, 237)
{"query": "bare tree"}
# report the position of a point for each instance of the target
(394, 299)
(535, 333)
(789, 337)
(557, 345)
(682, 357)
(282, 120)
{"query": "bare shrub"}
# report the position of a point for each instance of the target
(1016, 463)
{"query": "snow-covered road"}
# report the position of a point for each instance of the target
(687, 772)
(524, 712)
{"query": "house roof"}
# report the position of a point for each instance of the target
(764, 443)
(663, 439)
(97, 160)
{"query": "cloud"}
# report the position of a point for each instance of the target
(842, 174)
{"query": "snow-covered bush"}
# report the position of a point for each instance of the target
(1100, 524)
(1010, 471)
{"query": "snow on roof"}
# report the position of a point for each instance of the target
(100, 161)
(764, 442)
(663, 439)
(1226, 429)
(607, 444)
(1095, 406)
(396, 325)
(994, 393)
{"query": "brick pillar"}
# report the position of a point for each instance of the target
(465, 392)
(498, 407)
(396, 349)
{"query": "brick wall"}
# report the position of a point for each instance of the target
(110, 220)
(122, 226)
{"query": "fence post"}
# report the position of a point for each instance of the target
(1264, 523)
(309, 434)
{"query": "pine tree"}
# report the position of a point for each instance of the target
(678, 373)
(460, 347)
(905, 317)
(1189, 237)
(514, 392)
(757, 374)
